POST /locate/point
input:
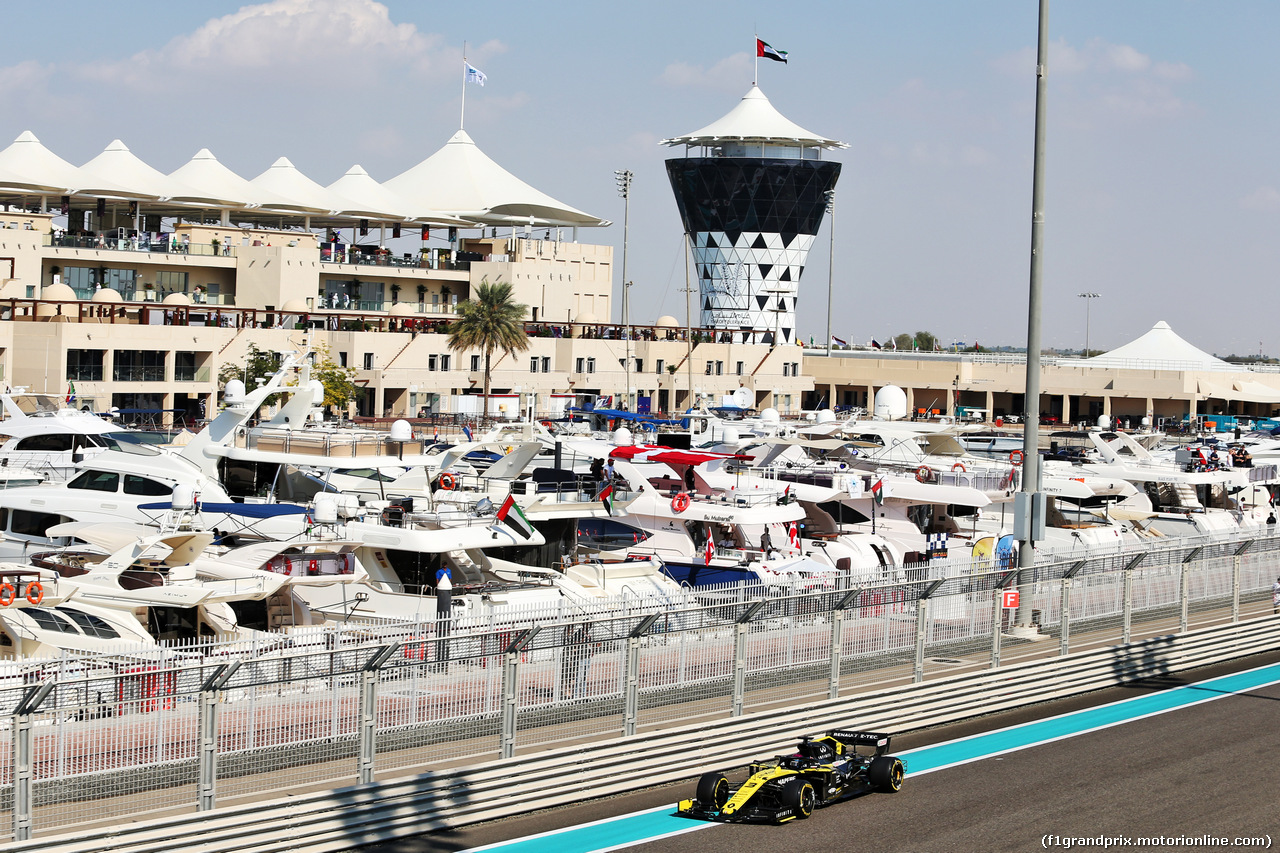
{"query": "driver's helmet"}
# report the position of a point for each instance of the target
(817, 750)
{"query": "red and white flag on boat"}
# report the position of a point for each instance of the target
(793, 536)
(709, 551)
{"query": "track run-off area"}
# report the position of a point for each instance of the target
(1192, 760)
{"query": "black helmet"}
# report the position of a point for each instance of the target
(817, 750)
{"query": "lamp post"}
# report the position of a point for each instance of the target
(831, 263)
(623, 179)
(1087, 297)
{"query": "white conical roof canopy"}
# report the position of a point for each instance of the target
(754, 119)
(367, 199)
(119, 165)
(218, 186)
(460, 180)
(1160, 346)
(282, 179)
(27, 165)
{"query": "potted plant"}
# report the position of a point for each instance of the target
(148, 292)
(422, 294)
(395, 293)
(217, 244)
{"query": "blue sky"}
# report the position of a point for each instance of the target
(1163, 193)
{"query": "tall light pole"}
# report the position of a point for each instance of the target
(831, 265)
(1087, 297)
(623, 179)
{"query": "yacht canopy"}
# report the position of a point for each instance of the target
(754, 119)
(460, 180)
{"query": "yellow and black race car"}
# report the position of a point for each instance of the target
(822, 771)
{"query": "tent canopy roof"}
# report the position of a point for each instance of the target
(28, 166)
(1160, 349)
(460, 180)
(754, 119)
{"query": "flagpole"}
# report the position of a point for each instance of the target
(462, 118)
(755, 52)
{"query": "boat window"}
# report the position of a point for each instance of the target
(96, 481)
(91, 625)
(52, 443)
(28, 522)
(135, 485)
(47, 620)
(4, 518)
(606, 533)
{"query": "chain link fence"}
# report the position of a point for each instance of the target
(90, 740)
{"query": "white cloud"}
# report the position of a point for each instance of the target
(345, 42)
(730, 74)
(1265, 199)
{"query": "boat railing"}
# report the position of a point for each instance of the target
(328, 443)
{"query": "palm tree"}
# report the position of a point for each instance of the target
(489, 321)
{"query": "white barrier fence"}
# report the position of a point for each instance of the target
(92, 739)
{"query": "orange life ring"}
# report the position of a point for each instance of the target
(1016, 457)
(680, 502)
(448, 481)
(35, 592)
(924, 474)
(959, 466)
(7, 594)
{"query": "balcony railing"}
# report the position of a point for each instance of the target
(167, 243)
(130, 373)
(342, 255)
(190, 374)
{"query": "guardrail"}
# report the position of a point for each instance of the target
(340, 819)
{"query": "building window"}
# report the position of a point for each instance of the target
(432, 362)
(184, 367)
(138, 366)
(719, 368)
(709, 366)
(658, 366)
(786, 368)
(795, 368)
(444, 362)
(475, 363)
(639, 365)
(579, 366)
(342, 359)
(368, 361)
(533, 364)
(84, 365)
(739, 368)
(546, 364)
(591, 365)
(171, 282)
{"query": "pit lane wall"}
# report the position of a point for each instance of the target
(179, 731)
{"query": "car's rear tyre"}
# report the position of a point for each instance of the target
(885, 774)
(713, 791)
(798, 794)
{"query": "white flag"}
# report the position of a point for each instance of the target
(475, 75)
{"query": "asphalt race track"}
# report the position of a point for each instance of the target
(1208, 767)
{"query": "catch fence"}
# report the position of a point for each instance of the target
(93, 739)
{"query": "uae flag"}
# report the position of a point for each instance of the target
(764, 49)
(877, 491)
(512, 517)
(606, 497)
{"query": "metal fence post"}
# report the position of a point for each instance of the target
(997, 620)
(23, 758)
(1127, 631)
(368, 713)
(1235, 587)
(922, 624)
(1064, 637)
(510, 682)
(837, 645)
(1184, 593)
(740, 629)
(631, 679)
(207, 779)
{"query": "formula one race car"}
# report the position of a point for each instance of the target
(822, 771)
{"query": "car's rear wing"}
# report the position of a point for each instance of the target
(855, 739)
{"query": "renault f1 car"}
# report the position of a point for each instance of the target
(823, 770)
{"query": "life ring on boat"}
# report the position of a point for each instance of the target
(959, 466)
(680, 502)
(448, 482)
(1016, 457)
(35, 592)
(7, 594)
(924, 474)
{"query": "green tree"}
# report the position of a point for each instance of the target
(926, 341)
(903, 341)
(339, 382)
(489, 321)
(257, 364)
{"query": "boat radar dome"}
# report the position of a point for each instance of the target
(622, 437)
(826, 416)
(326, 510)
(770, 416)
(401, 431)
(184, 497)
(317, 392)
(731, 435)
(233, 394)
(890, 403)
(1104, 422)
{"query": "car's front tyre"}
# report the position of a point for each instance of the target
(885, 774)
(713, 791)
(798, 794)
